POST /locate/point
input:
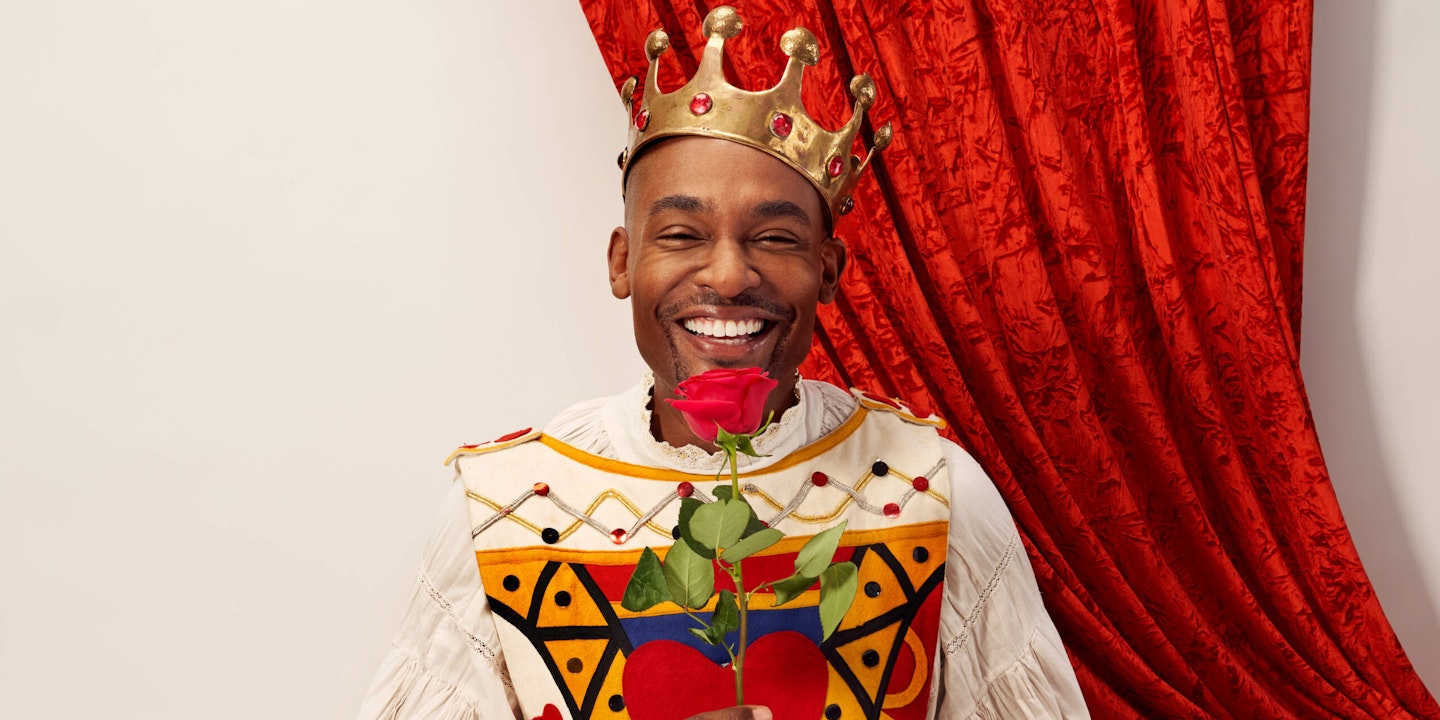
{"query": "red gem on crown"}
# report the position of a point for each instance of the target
(642, 120)
(835, 166)
(701, 104)
(781, 125)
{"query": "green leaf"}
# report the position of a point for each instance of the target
(647, 586)
(703, 635)
(818, 551)
(743, 445)
(791, 588)
(688, 506)
(752, 544)
(723, 493)
(837, 591)
(689, 577)
(726, 617)
(719, 524)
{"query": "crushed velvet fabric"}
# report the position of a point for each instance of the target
(1083, 249)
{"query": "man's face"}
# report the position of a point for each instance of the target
(724, 256)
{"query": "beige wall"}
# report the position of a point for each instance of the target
(263, 264)
(1372, 267)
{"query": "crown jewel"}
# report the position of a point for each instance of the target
(773, 120)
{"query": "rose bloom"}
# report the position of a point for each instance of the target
(724, 398)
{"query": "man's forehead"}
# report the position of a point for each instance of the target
(761, 210)
(695, 174)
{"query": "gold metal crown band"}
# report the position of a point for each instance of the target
(773, 120)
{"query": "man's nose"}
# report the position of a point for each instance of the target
(729, 270)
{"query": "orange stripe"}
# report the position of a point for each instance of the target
(643, 472)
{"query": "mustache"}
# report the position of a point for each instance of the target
(710, 297)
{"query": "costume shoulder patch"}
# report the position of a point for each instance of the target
(504, 441)
(891, 405)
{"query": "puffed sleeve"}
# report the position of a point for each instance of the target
(445, 661)
(1001, 656)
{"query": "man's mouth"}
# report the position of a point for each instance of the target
(724, 329)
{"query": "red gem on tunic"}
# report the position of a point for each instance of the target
(541, 489)
(921, 483)
(835, 166)
(819, 478)
(618, 536)
(505, 510)
(781, 125)
(685, 490)
(642, 120)
(892, 510)
(701, 104)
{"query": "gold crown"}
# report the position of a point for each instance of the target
(773, 120)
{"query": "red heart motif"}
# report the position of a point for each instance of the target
(667, 680)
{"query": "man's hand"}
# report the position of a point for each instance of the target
(739, 712)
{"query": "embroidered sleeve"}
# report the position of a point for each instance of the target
(1001, 656)
(445, 660)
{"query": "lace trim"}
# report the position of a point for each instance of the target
(479, 646)
(957, 643)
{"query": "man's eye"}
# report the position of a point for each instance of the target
(776, 240)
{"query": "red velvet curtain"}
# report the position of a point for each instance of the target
(1083, 250)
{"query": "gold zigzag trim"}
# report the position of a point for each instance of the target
(610, 494)
(860, 485)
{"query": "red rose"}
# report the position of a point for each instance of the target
(724, 398)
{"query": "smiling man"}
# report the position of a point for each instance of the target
(726, 252)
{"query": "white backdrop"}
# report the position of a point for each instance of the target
(263, 265)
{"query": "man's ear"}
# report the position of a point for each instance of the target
(618, 258)
(832, 265)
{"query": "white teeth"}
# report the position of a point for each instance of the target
(723, 328)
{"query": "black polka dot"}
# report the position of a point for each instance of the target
(617, 703)
(675, 532)
(832, 712)
(870, 658)
(511, 583)
(562, 598)
(550, 536)
(920, 554)
(880, 468)
(574, 665)
(872, 589)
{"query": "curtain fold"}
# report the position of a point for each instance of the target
(1083, 249)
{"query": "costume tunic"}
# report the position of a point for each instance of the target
(947, 621)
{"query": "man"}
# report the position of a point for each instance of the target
(725, 254)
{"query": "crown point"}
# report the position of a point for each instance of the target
(781, 125)
(656, 45)
(701, 104)
(883, 136)
(723, 22)
(800, 44)
(835, 166)
(627, 91)
(863, 88)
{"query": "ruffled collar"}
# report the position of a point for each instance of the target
(627, 422)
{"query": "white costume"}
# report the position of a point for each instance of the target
(554, 522)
